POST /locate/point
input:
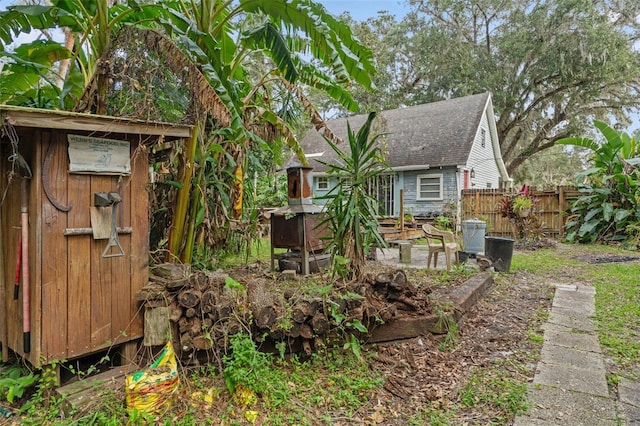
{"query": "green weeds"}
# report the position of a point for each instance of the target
(14, 381)
(494, 387)
(618, 312)
(617, 293)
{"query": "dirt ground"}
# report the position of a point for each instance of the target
(426, 372)
(497, 341)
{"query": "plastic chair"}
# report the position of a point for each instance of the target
(440, 242)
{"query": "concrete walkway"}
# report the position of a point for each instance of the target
(570, 387)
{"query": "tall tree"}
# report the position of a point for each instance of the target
(552, 65)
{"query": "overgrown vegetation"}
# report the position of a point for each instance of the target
(519, 208)
(272, 388)
(496, 388)
(228, 68)
(609, 208)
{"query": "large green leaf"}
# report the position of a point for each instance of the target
(581, 142)
(592, 213)
(332, 41)
(621, 214)
(607, 211)
(588, 227)
(270, 38)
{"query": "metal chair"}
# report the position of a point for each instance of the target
(440, 242)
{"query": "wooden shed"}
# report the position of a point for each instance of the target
(84, 176)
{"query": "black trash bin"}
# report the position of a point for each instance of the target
(499, 250)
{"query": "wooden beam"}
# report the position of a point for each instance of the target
(89, 231)
(50, 119)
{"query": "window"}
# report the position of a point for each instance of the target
(483, 137)
(322, 184)
(429, 187)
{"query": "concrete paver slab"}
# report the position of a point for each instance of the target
(629, 392)
(568, 377)
(580, 288)
(559, 355)
(558, 406)
(570, 387)
(570, 319)
(570, 338)
(575, 307)
(530, 421)
(630, 415)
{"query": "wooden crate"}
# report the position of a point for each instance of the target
(81, 302)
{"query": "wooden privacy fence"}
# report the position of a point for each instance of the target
(550, 209)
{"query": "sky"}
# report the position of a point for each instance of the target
(361, 10)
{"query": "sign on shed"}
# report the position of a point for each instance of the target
(98, 155)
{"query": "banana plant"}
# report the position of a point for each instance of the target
(214, 41)
(610, 202)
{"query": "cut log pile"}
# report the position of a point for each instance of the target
(205, 308)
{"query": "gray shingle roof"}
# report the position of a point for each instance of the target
(434, 134)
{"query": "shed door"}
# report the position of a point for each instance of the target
(88, 301)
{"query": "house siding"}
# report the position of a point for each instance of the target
(482, 159)
(317, 193)
(428, 208)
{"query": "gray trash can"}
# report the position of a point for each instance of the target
(473, 235)
(499, 251)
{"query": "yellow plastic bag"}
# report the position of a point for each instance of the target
(150, 390)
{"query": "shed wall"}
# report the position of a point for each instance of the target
(81, 302)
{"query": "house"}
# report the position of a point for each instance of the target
(434, 151)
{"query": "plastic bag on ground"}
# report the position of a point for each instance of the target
(150, 390)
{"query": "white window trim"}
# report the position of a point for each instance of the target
(324, 180)
(430, 176)
(483, 137)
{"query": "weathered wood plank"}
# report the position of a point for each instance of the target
(101, 277)
(140, 237)
(79, 268)
(54, 256)
(37, 224)
(87, 391)
(49, 119)
(121, 267)
(129, 352)
(4, 278)
(406, 328)
(11, 232)
(157, 328)
(70, 232)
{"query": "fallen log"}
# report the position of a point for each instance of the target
(301, 312)
(266, 317)
(189, 298)
(320, 324)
